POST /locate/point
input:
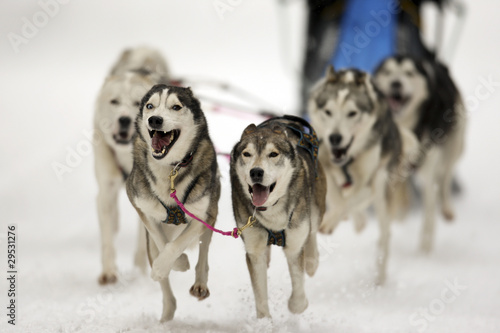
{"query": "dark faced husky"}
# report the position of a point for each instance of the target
(276, 179)
(118, 103)
(173, 140)
(424, 99)
(360, 147)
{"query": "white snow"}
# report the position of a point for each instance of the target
(47, 92)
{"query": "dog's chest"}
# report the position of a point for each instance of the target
(274, 218)
(359, 173)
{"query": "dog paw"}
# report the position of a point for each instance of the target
(326, 229)
(297, 304)
(182, 263)
(160, 269)
(107, 278)
(199, 291)
(311, 265)
(448, 215)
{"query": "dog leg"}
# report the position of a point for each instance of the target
(140, 252)
(430, 196)
(311, 254)
(334, 201)
(107, 208)
(297, 302)
(200, 289)
(257, 268)
(181, 264)
(173, 250)
(359, 218)
(169, 302)
(384, 225)
(294, 252)
(445, 188)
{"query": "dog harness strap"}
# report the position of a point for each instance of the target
(175, 215)
(235, 233)
(276, 238)
(186, 160)
(348, 177)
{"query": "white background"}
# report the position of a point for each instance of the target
(47, 93)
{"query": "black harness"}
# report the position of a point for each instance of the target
(308, 140)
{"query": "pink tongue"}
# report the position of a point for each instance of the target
(260, 195)
(395, 105)
(159, 142)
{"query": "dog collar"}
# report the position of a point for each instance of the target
(185, 161)
(348, 177)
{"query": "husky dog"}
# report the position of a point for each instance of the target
(276, 179)
(117, 105)
(361, 146)
(424, 99)
(173, 140)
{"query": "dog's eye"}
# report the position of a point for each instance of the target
(328, 113)
(114, 102)
(273, 154)
(176, 107)
(149, 106)
(247, 154)
(137, 103)
(352, 114)
(409, 74)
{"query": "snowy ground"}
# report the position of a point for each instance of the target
(47, 93)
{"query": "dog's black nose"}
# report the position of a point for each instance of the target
(124, 121)
(335, 139)
(155, 122)
(396, 85)
(257, 174)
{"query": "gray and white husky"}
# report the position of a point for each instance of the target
(361, 148)
(117, 105)
(424, 99)
(173, 139)
(275, 178)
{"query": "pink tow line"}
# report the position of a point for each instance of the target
(233, 233)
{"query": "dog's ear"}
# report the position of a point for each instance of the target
(331, 76)
(277, 129)
(249, 130)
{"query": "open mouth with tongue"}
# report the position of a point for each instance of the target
(397, 101)
(340, 154)
(260, 193)
(161, 142)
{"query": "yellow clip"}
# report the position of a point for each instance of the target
(173, 175)
(250, 222)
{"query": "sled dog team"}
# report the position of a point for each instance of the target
(289, 179)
